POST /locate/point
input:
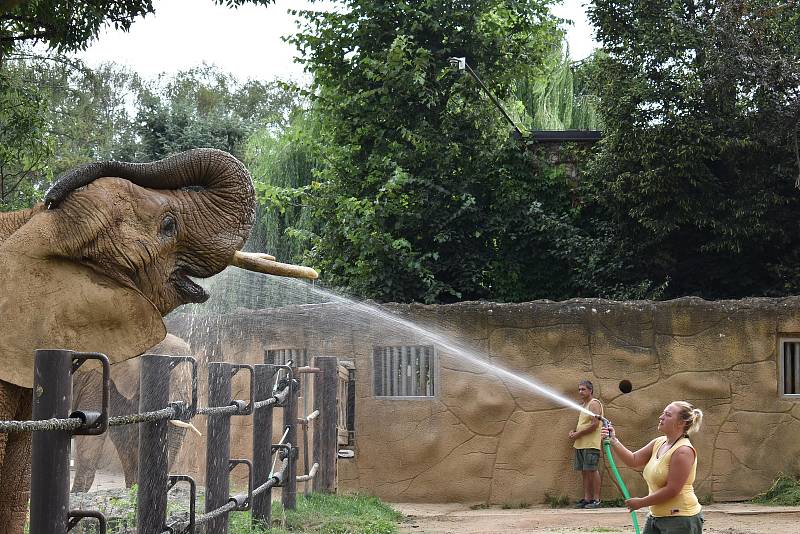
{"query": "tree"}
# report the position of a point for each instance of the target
(697, 168)
(283, 164)
(70, 26)
(206, 107)
(25, 147)
(410, 147)
(556, 95)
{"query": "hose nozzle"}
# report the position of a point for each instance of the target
(606, 423)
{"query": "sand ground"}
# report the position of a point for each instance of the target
(459, 519)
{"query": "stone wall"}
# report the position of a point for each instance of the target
(485, 437)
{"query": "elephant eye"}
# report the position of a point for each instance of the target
(168, 226)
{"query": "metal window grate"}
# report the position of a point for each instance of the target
(281, 356)
(405, 371)
(790, 367)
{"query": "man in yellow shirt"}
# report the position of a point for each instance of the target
(587, 445)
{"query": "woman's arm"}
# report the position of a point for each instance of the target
(679, 467)
(630, 458)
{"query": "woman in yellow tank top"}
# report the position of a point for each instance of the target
(670, 464)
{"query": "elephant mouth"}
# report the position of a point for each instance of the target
(189, 291)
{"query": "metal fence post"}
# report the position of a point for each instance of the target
(289, 491)
(262, 444)
(151, 501)
(326, 384)
(218, 445)
(52, 398)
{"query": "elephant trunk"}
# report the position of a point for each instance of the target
(215, 196)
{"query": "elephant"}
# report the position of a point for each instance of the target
(95, 267)
(124, 400)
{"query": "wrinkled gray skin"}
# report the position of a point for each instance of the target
(98, 270)
(124, 400)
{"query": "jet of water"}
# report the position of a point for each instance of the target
(450, 345)
(239, 288)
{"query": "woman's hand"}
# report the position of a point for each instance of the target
(634, 503)
(608, 432)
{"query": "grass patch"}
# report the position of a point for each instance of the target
(514, 505)
(785, 491)
(327, 514)
(619, 502)
(480, 506)
(556, 501)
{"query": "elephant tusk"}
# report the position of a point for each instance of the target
(183, 424)
(264, 263)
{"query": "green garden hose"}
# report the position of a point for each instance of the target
(620, 483)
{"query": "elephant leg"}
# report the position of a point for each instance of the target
(15, 460)
(126, 442)
(87, 455)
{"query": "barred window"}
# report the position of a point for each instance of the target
(790, 367)
(405, 371)
(281, 356)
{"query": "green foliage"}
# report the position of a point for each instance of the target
(619, 502)
(785, 491)
(24, 145)
(70, 26)
(205, 107)
(696, 172)
(515, 505)
(556, 501)
(555, 95)
(283, 164)
(325, 514)
(410, 146)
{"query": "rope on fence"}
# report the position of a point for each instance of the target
(304, 420)
(311, 474)
(146, 417)
(219, 410)
(74, 423)
(71, 423)
(222, 510)
(274, 479)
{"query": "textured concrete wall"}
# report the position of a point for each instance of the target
(487, 438)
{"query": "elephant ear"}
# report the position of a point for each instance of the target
(53, 303)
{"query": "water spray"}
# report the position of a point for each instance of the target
(623, 488)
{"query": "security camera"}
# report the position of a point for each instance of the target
(458, 62)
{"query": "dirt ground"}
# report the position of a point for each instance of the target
(459, 519)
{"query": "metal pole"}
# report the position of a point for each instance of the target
(262, 444)
(289, 492)
(218, 445)
(496, 102)
(151, 501)
(325, 436)
(52, 387)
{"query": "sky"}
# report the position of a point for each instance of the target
(245, 42)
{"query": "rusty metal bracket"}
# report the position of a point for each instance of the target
(182, 411)
(235, 368)
(75, 517)
(93, 423)
(171, 482)
(243, 502)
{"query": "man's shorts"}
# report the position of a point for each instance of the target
(586, 459)
(692, 524)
